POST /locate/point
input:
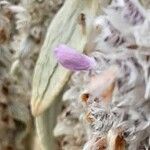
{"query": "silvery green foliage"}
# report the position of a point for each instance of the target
(119, 87)
(20, 43)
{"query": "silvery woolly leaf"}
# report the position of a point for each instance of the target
(62, 129)
(47, 71)
(117, 21)
(71, 94)
(142, 34)
(49, 77)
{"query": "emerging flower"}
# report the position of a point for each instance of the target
(73, 60)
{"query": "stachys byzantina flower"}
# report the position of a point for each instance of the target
(111, 100)
(73, 60)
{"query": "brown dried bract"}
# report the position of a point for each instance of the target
(132, 46)
(85, 97)
(8, 14)
(82, 21)
(116, 140)
(89, 117)
(101, 143)
(3, 35)
(119, 143)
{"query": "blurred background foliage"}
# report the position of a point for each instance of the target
(23, 24)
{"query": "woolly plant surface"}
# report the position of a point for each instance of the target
(109, 99)
(49, 77)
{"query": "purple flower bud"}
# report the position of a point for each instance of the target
(72, 60)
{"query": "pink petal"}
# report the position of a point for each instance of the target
(72, 60)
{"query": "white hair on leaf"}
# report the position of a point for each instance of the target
(117, 99)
